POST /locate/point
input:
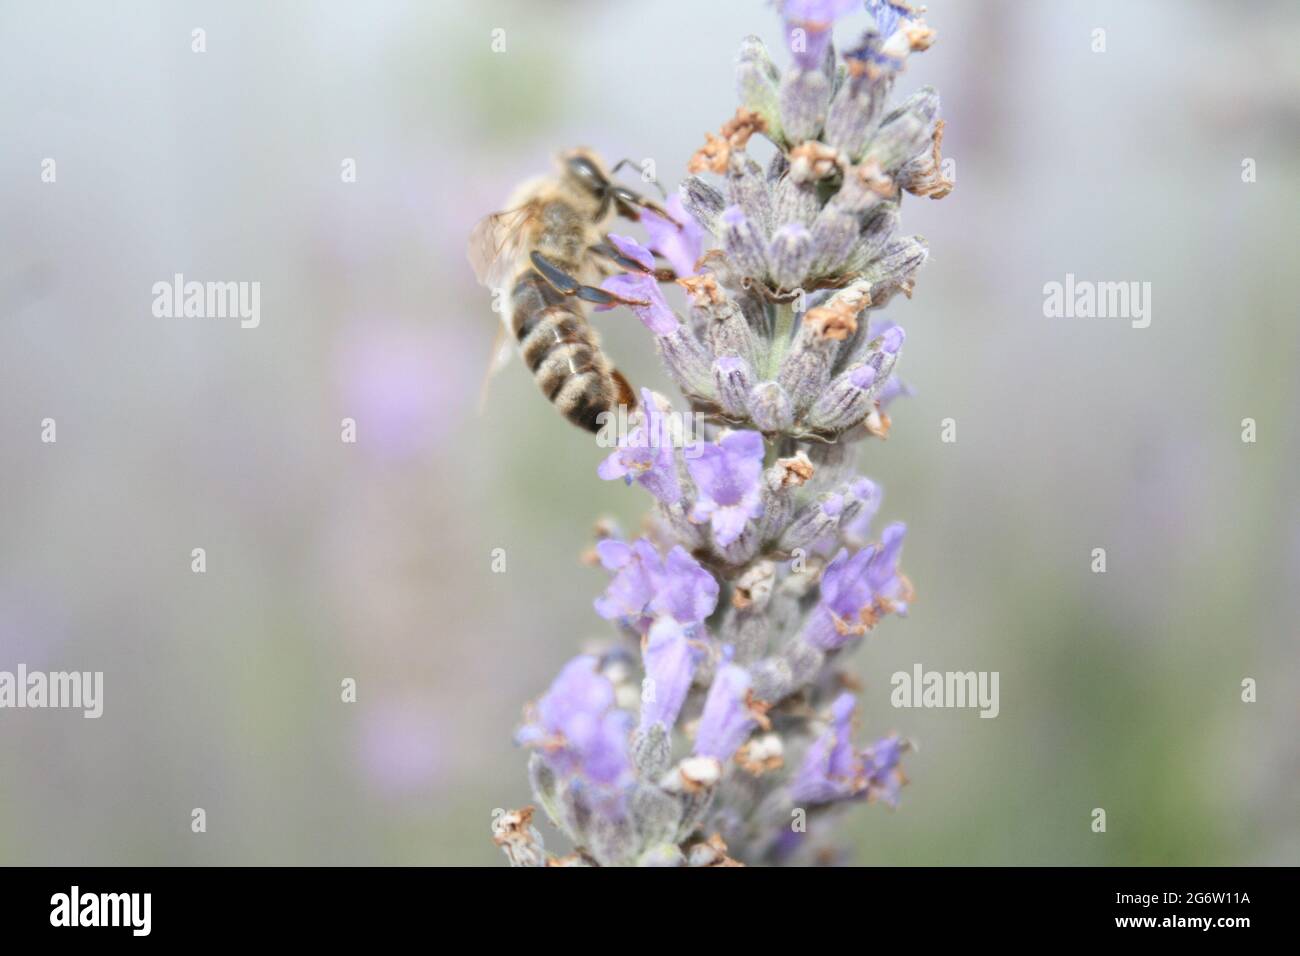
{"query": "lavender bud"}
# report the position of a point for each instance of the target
(744, 243)
(790, 254)
(780, 483)
(861, 501)
(702, 201)
(796, 201)
(747, 188)
(732, 381)
(804, 96)
(855, 112)
(833, 235)
(876, 233)
(756, 83)
(773, 679)
(805, 661)
(846, 402)
(906, 131)
(730, 334)
(680, 526)
(612, 839)
(686, 361)
(655, 814)
(770, 408)
(740, 550)
(652, 751)
(696, 803)
(574, 813)
(747, 632)
(806, 368)
(812, 522)
(544, 785)
(851, 397)
(895, 271)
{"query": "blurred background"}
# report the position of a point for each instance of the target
(372, 560)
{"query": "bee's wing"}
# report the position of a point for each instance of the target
(496, 249)
(496, 244)
(502, 349)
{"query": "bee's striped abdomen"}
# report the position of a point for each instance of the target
(560, 349)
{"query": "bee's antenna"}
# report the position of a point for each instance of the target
(631, 162)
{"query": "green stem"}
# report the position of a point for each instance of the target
(782, 333)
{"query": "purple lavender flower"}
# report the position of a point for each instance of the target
(680, 244)
(728, 717)
(633, 586)
(831, 770)
(577, 728)
(815, 19)
(633, 250)
(880, 767)
(669, 665)
(726, 476)
(883, 46)
(683, 589)
(892, 591)
(641, 286)
(645, 586)
(646, 455)
(856, 592)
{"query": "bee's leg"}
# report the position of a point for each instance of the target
(608, 250)
(568, 285)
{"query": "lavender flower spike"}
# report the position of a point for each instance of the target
(758, 569)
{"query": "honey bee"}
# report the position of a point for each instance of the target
(544, 255)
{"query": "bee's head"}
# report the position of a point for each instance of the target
(583, 168)
(586, 171)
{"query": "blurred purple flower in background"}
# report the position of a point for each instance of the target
(392, 380)
(400, 747)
